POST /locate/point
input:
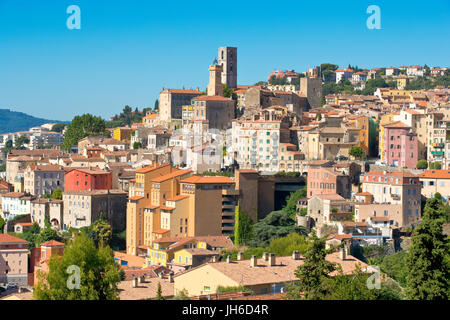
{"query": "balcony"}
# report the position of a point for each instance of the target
(439, 145)
(230, 192)
(395, 197)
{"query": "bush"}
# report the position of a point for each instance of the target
(422, 164)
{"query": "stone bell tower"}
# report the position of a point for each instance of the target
(215, 81)
(228, 60)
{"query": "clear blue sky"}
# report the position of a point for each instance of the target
(126, 51)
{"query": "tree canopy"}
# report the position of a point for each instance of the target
(81, 127)
(99, 273)
(428, 259)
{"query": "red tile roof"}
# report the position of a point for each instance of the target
(52, 243)
(435, 174)
(6, 238)
(207, 179)
(211, 98)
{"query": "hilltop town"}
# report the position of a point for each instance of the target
(222, 192)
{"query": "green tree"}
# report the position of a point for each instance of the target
(291, 201)
(35, 229)
(357, 152)
(156, 106)
(242, 227)
(2, 224)
(57, 194)
(427, 261)
(137, 145)
(99, 273)
(48, 234)
(275, 225)
(318, 116)
(314, 273)
(58, 127)
(228, 92)
(422, 164)
(21, 141)
(159, 295)
(3, 167)
(103, 232)
(81, 127)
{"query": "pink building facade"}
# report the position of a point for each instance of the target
(401, 147)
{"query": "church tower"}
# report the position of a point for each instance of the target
(228, 60)
(215, 82)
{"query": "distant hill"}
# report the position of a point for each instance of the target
(12, 121)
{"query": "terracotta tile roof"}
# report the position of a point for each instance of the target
(200, 252)
(211, 98)
(363, 194)
(48, 167)
(14, 194)
(6, 238)
(435, 174)
(161, 231)
(332, 196)
(172, 175)
(136, 198)
(167, 208)
(177, 198)
(146, 290)
(90, 171)
(281, 272)
(52, 243)
(380, 219)
(184, 91)
(25, 224)
(151, 207)
(151, 168)
(397, 124)
(207, 179)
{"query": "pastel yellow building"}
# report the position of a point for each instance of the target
(385, 119)
(122, 133)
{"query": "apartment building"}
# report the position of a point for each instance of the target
(327, 177)
(43, 179)
(435, 181)
(13, 260)
(396, 195)
(438, 129)
(15, 203)
(401, 146)
(140, 196)
(82, 208)
(171, 102)
(88, 179)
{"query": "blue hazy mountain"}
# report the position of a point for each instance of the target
(12, 121)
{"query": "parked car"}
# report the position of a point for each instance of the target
(11, 286)
(380, 163)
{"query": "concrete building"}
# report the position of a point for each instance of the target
(228, 61)
(88, 179)
(396, 195)
(326, 177)
(401, 146)
(43, 179)
(259, 275)
(311, 88)
(15, 203)
(435, 181)
(13, 260)
(82, 208)
(217, 110)
(171, 102)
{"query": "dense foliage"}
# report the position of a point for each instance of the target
(99, 273)
(428, 262)
(81, 127)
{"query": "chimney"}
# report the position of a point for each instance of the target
(265, 256)
(171, 276)
(272, 259)
(228, 259)
(295, 255)
(342, 254)
(253, 261)
(240, 256)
